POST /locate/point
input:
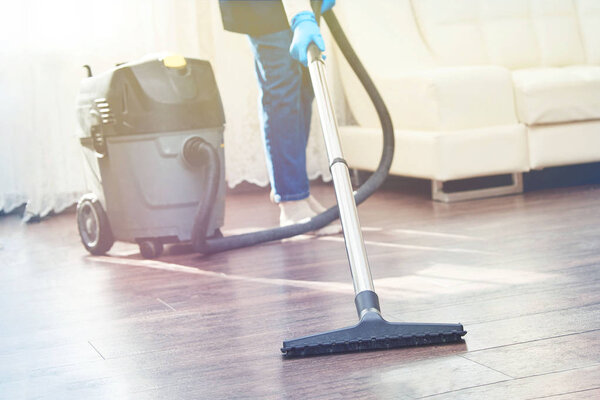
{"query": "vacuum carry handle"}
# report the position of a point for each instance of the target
(355, 247)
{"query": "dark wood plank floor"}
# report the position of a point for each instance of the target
(521, 273)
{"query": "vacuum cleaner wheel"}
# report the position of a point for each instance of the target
(93, 225)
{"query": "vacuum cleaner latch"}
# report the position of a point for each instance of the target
(96, 140)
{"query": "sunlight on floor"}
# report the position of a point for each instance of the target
(432, 281)
(455, 279)
(410, 246)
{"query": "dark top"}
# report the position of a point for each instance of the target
(256, 17)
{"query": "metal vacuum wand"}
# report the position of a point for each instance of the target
(372, 331)
(357, 254)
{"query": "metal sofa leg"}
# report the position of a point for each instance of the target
(438, 194)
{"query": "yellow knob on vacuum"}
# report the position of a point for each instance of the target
(174, 61)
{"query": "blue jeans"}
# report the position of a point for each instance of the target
(285, 102)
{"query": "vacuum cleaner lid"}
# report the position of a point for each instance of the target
(156, 95)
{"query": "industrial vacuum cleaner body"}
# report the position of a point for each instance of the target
(140, 126)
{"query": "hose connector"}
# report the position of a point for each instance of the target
(194, 151)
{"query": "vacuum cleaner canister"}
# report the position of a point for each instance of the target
(146, 128)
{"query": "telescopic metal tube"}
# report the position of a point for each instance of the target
(355, 247)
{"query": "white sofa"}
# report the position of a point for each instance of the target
(475, 87)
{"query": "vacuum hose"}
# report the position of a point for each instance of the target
(201, 155)
(210, 245)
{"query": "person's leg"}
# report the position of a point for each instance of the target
(283, 115)
(285, 101)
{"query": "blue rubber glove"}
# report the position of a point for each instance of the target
(327, 5)
(306, 31)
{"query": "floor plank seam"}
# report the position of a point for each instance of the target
(465, 388)
(508, 380)
(535, 313)
(165, 304)
(507, 296)
(569, 269)
(533, 341)
(435, 234)
(336, 287)
(96, 350)
(562, 394)
(485, 366)
(559, 371)
(400, 246)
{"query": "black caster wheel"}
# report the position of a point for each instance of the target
(93, 225)
(151, 248)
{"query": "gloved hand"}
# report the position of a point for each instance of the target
(327, 5)
(306, 31)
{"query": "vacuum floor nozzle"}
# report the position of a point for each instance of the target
(373, 333)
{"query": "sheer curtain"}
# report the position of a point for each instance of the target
(45, 45)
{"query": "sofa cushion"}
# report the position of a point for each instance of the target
(589, 24)
(450, 98)
(564, 144)
(441, 155)
(437, 98)
(555, 95)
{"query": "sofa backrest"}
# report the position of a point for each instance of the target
(395, 36)
(452, 31)
(589, 24)
(385, 35)
(387, 40)
(557, 30)
(510, 33)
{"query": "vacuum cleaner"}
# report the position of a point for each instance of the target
(153, 134)
(120, 113)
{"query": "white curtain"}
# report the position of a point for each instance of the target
(46, 43)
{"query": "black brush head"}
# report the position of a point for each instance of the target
(373, 333)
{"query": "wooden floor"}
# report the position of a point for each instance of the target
(520, 272)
